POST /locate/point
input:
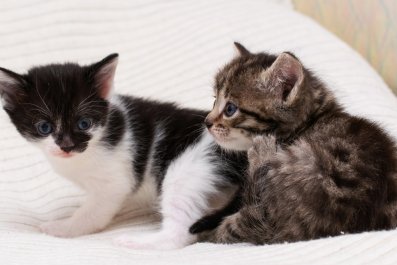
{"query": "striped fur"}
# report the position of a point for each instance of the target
(316, 172)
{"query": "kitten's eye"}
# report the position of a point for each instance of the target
(44, 128)
(230, 109)
(84, 124)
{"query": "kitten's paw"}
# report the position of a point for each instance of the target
(157, 241)
(228, 232)
(58, 228)
(263, 149)
(64, 228)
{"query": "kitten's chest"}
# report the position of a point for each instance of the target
(95, 168)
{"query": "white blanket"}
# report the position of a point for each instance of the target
(169, 50)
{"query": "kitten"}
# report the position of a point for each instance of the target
(119, 146)
(314, 170)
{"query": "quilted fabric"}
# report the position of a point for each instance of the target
(169, 50)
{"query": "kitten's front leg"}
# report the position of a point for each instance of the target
(182, 204)
(264, 148)
(188, 184)
(93, 216)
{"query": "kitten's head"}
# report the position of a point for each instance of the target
(259, 94)
(59, 107)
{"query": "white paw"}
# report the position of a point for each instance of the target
(158, 241)
(58, 228)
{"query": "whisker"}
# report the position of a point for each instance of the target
(38, 108)
(88, 97)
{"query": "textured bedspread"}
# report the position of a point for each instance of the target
(169, 50)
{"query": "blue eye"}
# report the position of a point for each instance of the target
(230, 109)
(44, 128)
(84, 124)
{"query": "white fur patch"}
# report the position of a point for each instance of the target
(106, 176)
(189, 183)
(235, 141)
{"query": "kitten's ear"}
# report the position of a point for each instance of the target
(103, 73)
(286, 76)
(242, 51)
(11, 88)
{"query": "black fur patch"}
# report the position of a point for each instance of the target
(115, 127)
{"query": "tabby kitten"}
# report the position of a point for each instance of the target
(314, 170)
(116, 147)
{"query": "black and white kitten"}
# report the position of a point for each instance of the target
(117, 146)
